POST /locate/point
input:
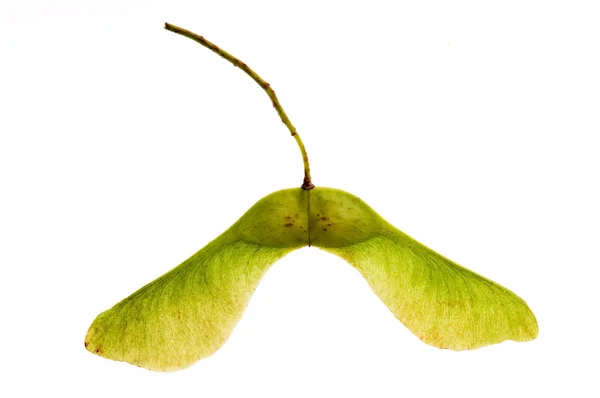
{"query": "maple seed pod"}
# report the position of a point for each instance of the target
(188, 313)
(277, 220)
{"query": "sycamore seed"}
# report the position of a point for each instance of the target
(188, 313)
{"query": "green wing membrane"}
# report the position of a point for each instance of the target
(186, 314)
(442, 303)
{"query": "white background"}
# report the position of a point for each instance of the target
(125, 148)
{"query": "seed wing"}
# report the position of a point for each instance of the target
(188, 313)
(442, 303)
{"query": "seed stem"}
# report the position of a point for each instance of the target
(307, 184)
